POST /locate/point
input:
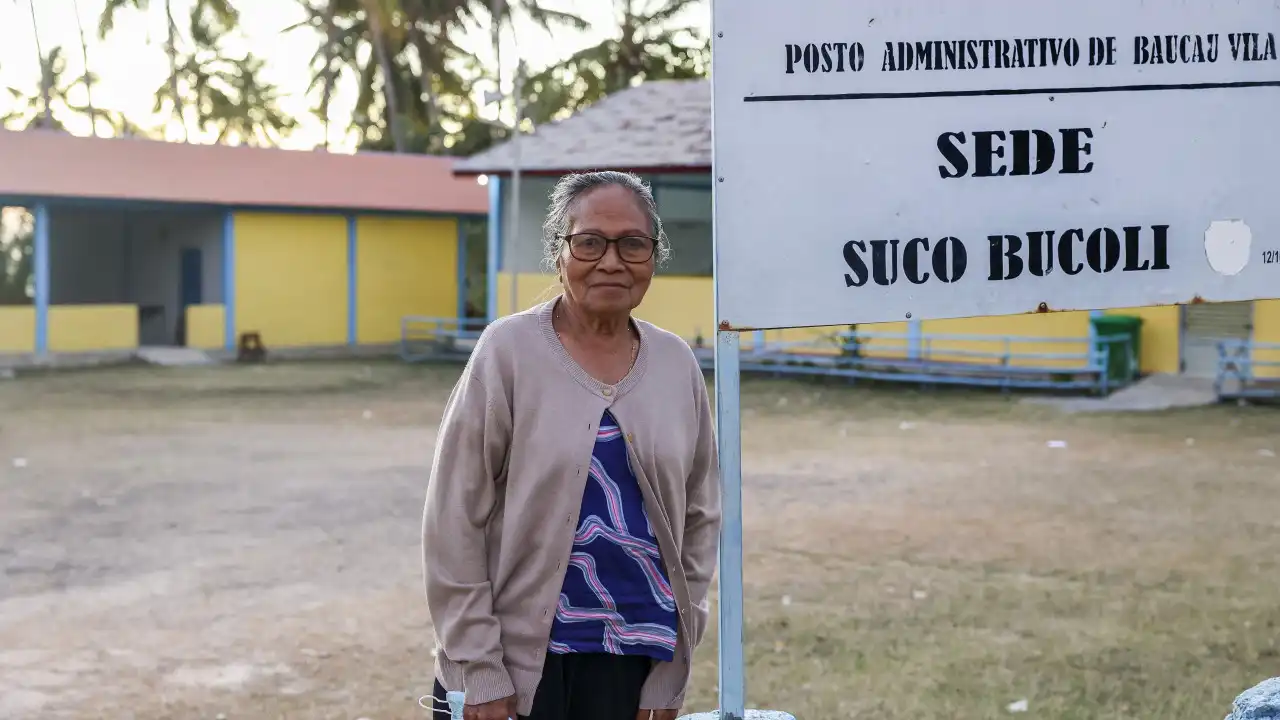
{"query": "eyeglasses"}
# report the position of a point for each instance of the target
(590, 247)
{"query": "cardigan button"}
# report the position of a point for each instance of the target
(608, 392)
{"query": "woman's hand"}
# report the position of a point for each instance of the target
(657, 715)
(504, 709)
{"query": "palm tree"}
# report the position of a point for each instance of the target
(322, 16)
(222, 13)
(502, 13)
(238, 105)
(218, 14)
(107, 22)
(171, 47)
(226, 95)
(122, 126)
(84, 53)
(647, 48)
(36, 110)
(384, 76)
(430, 24)
(379, 14)
(45, 88)
(414, 81)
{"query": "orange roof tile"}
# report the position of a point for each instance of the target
(40, 163)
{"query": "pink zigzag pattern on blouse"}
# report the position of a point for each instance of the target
(617, 631)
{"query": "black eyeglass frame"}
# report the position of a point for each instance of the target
(567, 239)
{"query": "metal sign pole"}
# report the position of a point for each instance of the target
(517, 85)
(733, 676)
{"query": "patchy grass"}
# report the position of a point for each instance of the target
(243, 540)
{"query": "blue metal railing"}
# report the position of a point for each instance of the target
(1011, 362)
(1247, 370)
(429, 338)
(1007, 362)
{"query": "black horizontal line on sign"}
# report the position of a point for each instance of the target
(1013, 91)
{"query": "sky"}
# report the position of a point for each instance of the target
(131, 63)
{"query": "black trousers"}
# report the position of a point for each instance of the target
(582, 687)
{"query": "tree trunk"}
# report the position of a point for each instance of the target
(88, 78)
(394, 120)
(427, 72)
(496, 10)
(46, 92)
(174, 93)
(330, 75)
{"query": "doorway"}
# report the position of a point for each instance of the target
(190, 286)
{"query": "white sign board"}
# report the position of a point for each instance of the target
(881, 160)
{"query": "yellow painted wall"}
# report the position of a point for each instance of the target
(1266, 329)
(17, 329)
(404, 266)
(531, 289)
(1161, 337)
(206, 326)
(291, 278)
(682, 305)
(1046, 325)
(685, 305)
(93, 328)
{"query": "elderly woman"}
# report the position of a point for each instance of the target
(572, 515)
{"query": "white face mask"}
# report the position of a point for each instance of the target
(456, 699)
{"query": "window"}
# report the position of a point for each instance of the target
(17, 256)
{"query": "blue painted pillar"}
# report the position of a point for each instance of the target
(462, 273)
(41, 279)
(493, 256)
(229, 279)
(915, 334)
(353, 288)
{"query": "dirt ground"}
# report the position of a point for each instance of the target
(244, 543)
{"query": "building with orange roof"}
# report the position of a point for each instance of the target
(116, 244)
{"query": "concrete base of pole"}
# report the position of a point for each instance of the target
(750, 715)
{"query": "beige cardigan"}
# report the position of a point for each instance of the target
(506, 487)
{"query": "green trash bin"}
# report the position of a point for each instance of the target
(1121, 366)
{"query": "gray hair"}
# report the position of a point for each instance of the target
(571, 188)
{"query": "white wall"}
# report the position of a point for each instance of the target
(535, 195)
(685, 211)
(114, 256)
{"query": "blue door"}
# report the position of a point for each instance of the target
(191, 290)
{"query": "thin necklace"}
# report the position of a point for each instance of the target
(635, 347)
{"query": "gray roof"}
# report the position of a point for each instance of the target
(658, 124)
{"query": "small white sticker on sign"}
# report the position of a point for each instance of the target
(1227, 244)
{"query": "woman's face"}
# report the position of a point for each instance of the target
(610, 284)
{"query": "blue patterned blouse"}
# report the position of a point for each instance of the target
(616, 597)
